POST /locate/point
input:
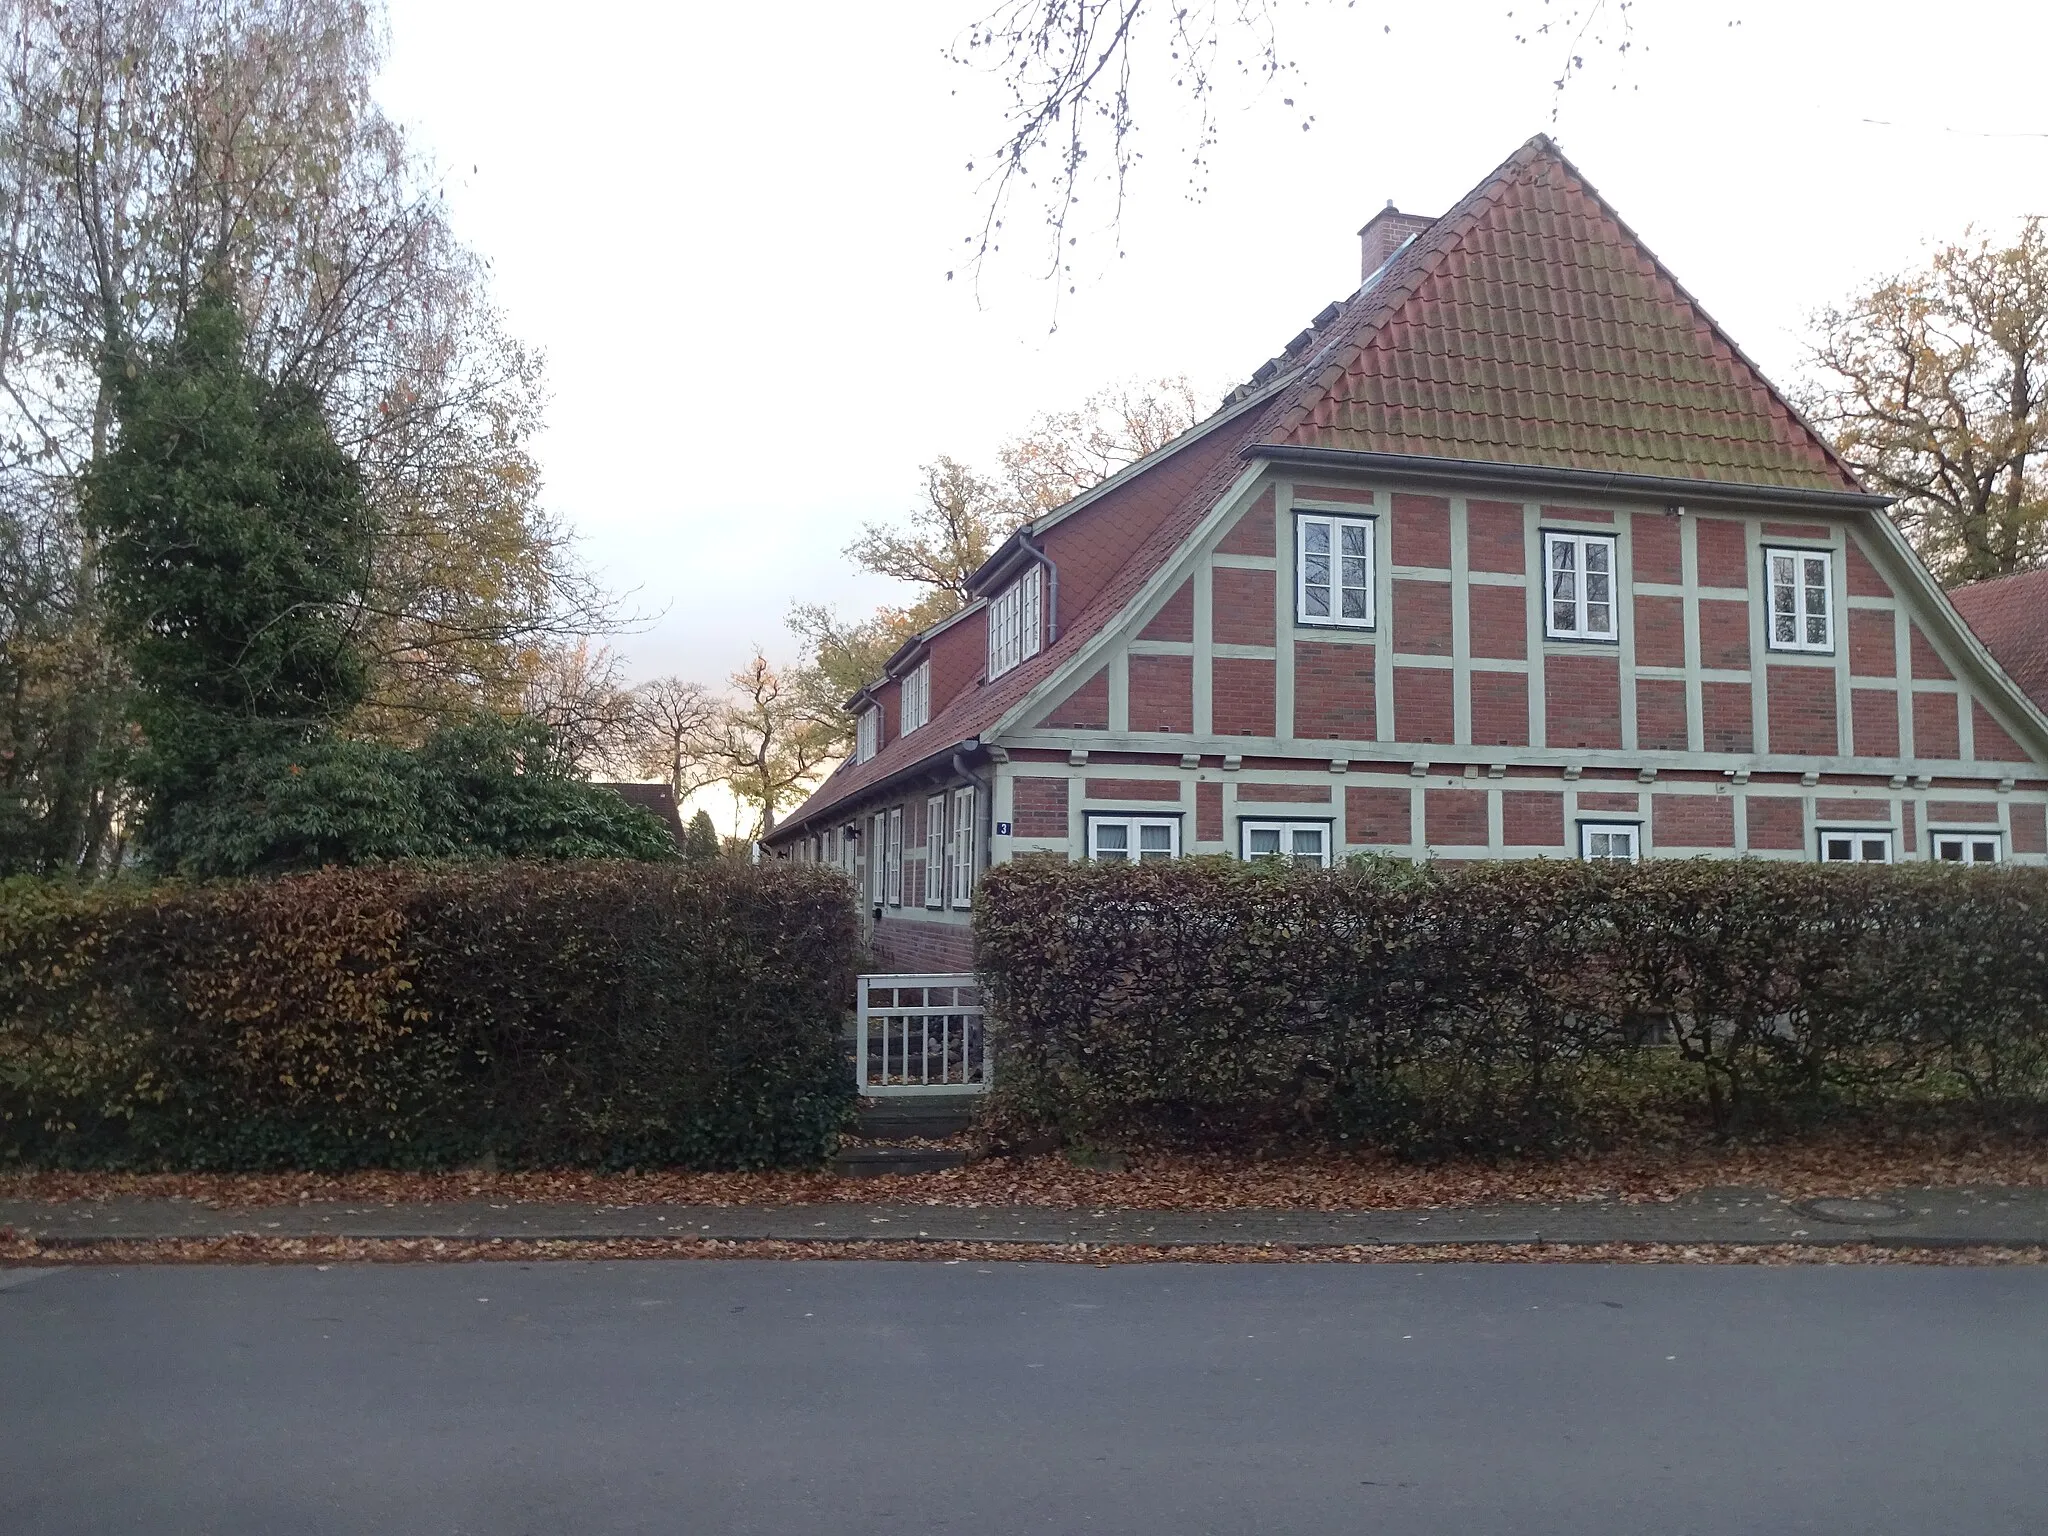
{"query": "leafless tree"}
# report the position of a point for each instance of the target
(676, 735)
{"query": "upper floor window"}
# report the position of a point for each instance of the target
(1802, 605)
(1333, 570)
(868, 738)
(1016, 622)
(1581, 578)
(917, 696)
(1294, 842)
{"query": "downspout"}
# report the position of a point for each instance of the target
(1052, 586)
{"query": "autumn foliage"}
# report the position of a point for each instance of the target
(1497, 1006)
(602, 1015)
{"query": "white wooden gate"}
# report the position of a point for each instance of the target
(920, 1035)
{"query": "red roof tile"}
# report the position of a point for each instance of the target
(2010, 615)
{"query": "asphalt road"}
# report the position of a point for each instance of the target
(729, 1397)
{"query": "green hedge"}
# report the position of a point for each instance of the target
(600, 1014)
(1496, 1005)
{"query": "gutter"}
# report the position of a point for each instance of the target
(1668, 488)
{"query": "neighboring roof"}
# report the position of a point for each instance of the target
(1530, 326)
(2010, 615)
(658, 798)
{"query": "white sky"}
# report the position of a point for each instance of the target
(728, 226)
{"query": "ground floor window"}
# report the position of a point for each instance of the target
(1135, 839)
(1855, 846)
(1298, 842)
(1610, 840)
(1968, 847)
(935, 851)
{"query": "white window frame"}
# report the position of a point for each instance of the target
(1802, 613)
(1334, 525)
(1287, 829)
(849, 852)
(1859, 842)
(935, 851)
(916, 698)
(1016, 622)
(892, 880)
(1967, 843)
(1581, 627)
(1588, 830)
(960, 849)
(868, 733)
(1132, 826)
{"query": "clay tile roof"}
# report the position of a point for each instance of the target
(2010, 615)
(1529, 325)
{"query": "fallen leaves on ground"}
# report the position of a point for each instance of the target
(338, 1250)
(1833, 1165)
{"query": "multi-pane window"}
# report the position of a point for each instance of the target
(935, 851)
(1967, 847)
(868, 737)
(1015, 620)
(1605, 840)
(1134, 839)
(1297, 842)
(894, 865)
(1855, 846)
(960, 849)
(877, 840)
(917, 696)
(1333, 570)
(1802, 600)
(1580, 576)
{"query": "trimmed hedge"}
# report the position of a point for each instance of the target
(1503, 1005)
(599, 1014)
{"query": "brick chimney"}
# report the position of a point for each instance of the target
(1385, 233)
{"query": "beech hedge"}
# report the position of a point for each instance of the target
(539, 1015)
(1503, 1005)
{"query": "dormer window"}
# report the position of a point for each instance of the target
(868, 736)
(1016, 623)
(917, 696)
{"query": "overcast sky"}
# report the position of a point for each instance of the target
(729, 228)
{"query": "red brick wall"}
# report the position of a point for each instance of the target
(1208, 812)
(1162, 693)
(1874, 716)
(1038, 806)
(1086, 708)
(1961, 813)
(1801, 706)
(1582, 701)
(1724, 717)
(1253, 533)
(1852, 810)
(1660, 713)
(1422, 705)
(1243, 607)
(1693, 821)
(1927, 663)
(1422, 530)
(1936, 731)
(1241, 696)
(1660, 631)
(1500, 709)
(1871, 652)
(1333, 691)
(1603, 800)
(1655, 545)
(1578, 514)
(1133, 789)
(1776, 821)
(1499, 622)
(1493, 532)
(1723, 553)
(1282, 794)
(1724, 634)
(920, 946)
(2029, 828)
(1864, 580)
(1176, 618)
(1532, 818)
(1375, 814)
(1993, 743)
(1422, 617)
(1906, 821)
(1451, 817)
